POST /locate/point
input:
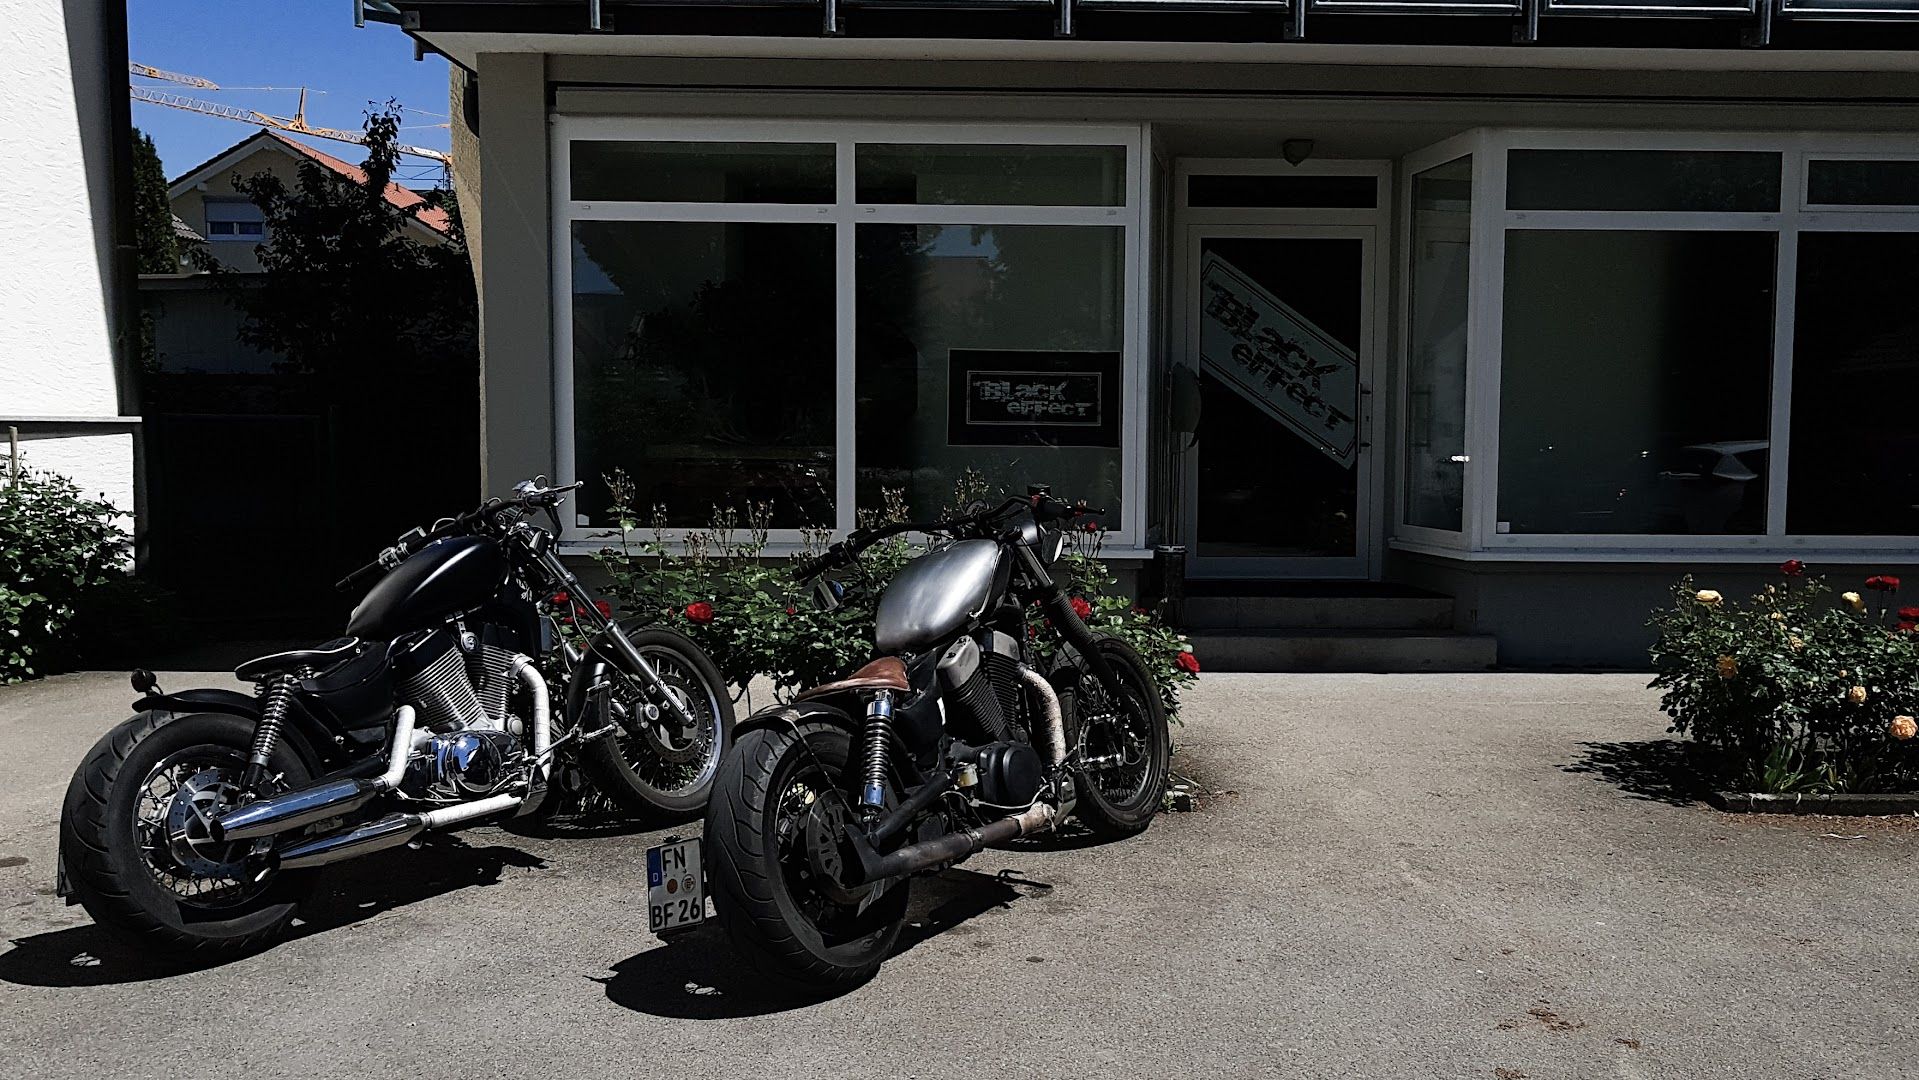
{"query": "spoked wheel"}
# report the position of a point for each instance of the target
(659, 764)
(774, 863)
(135, 842)
(1124, 744)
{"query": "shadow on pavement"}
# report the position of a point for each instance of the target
(699, 976)
(1656, 770)
(89, 956)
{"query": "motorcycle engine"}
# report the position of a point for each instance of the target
(470, 743)
(465, 764)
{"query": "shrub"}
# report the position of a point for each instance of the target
(720, 587)
(62, 558)
(1791, 691)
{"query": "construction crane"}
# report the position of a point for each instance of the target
(296, 123)
(144, 71)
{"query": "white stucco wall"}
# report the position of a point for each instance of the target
(56, 241)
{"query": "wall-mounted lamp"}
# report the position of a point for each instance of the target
(1296, 150)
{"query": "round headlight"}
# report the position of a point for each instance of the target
(1053, 545)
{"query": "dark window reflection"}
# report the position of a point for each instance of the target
(1854, 468)
(1862, 183)
(1264, 490)
(702, 172)
(1636, 382)
(1723, 180)
(703, 364)
(1038, 298)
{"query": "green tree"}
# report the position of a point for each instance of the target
(157, 249)
(378, 327)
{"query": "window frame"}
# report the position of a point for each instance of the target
(1481, 539)
(846, 214)
(234, 236)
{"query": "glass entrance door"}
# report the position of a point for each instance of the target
(1280, 331)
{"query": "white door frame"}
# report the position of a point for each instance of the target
(1372, 227)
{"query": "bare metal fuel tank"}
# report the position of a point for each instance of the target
(934, 596)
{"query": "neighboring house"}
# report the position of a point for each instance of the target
(208, 199)
(67, 323)
(1492, 314)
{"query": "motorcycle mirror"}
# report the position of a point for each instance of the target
(826, 594)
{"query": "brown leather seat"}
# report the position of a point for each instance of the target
(886, 673)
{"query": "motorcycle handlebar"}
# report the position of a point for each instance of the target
(528, 495)
(1044, 508)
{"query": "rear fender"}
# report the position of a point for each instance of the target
(906, 772)
(787, 717)
(302, 732)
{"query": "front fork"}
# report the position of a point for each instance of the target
(623, 651)
(1059, 607)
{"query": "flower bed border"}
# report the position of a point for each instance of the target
(1845, 805)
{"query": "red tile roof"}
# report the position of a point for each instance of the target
(404, 198)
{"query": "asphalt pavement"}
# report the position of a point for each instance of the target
(1400, 876)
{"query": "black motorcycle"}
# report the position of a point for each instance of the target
(952, 740)
(192, 827)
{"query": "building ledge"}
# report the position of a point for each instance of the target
(1899, 551)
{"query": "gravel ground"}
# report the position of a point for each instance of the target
(1403, 875)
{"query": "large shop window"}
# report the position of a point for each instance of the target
(814, 323)
(1855, 381)
(990, 348)
(1635, 384)
(703, 366)
(1436, 362)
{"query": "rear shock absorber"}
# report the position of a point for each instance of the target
(878, 736)
(275, 698)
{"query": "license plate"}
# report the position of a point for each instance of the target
(675, 886)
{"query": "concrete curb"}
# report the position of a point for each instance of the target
(1746, 802)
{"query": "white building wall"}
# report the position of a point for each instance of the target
(57, 285)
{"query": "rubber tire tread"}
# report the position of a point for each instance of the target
(610, 773)
(99, 868)
(1111, 823)
(737, 869)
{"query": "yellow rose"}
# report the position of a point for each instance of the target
(1728, 667)
(1778, 616)
(1796, 642)
(1854, 599)
(1708, 597)
(1903, 727)
(1856, 695)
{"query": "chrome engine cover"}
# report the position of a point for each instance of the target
(465, 764)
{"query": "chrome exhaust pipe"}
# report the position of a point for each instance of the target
(388, 832)
(304, 806)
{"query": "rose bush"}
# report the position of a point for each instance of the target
(67, 594)
(1790, 691)
(720, 587)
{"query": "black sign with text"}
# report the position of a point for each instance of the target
(1002, 397)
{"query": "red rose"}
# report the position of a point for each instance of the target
(699, 612)
(1081, 608)
(1882, 583)
(559, 599)
(1792, 568)
(603, 608)
(1909, 614)
(1187, 662)
(1908, 625)
(792, 611)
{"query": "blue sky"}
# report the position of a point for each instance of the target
(280, 43)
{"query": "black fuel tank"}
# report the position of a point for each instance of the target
(442, 579)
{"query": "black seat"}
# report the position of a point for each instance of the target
(323, 656)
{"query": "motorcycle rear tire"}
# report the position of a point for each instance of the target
(106, 867)
(751, 883)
